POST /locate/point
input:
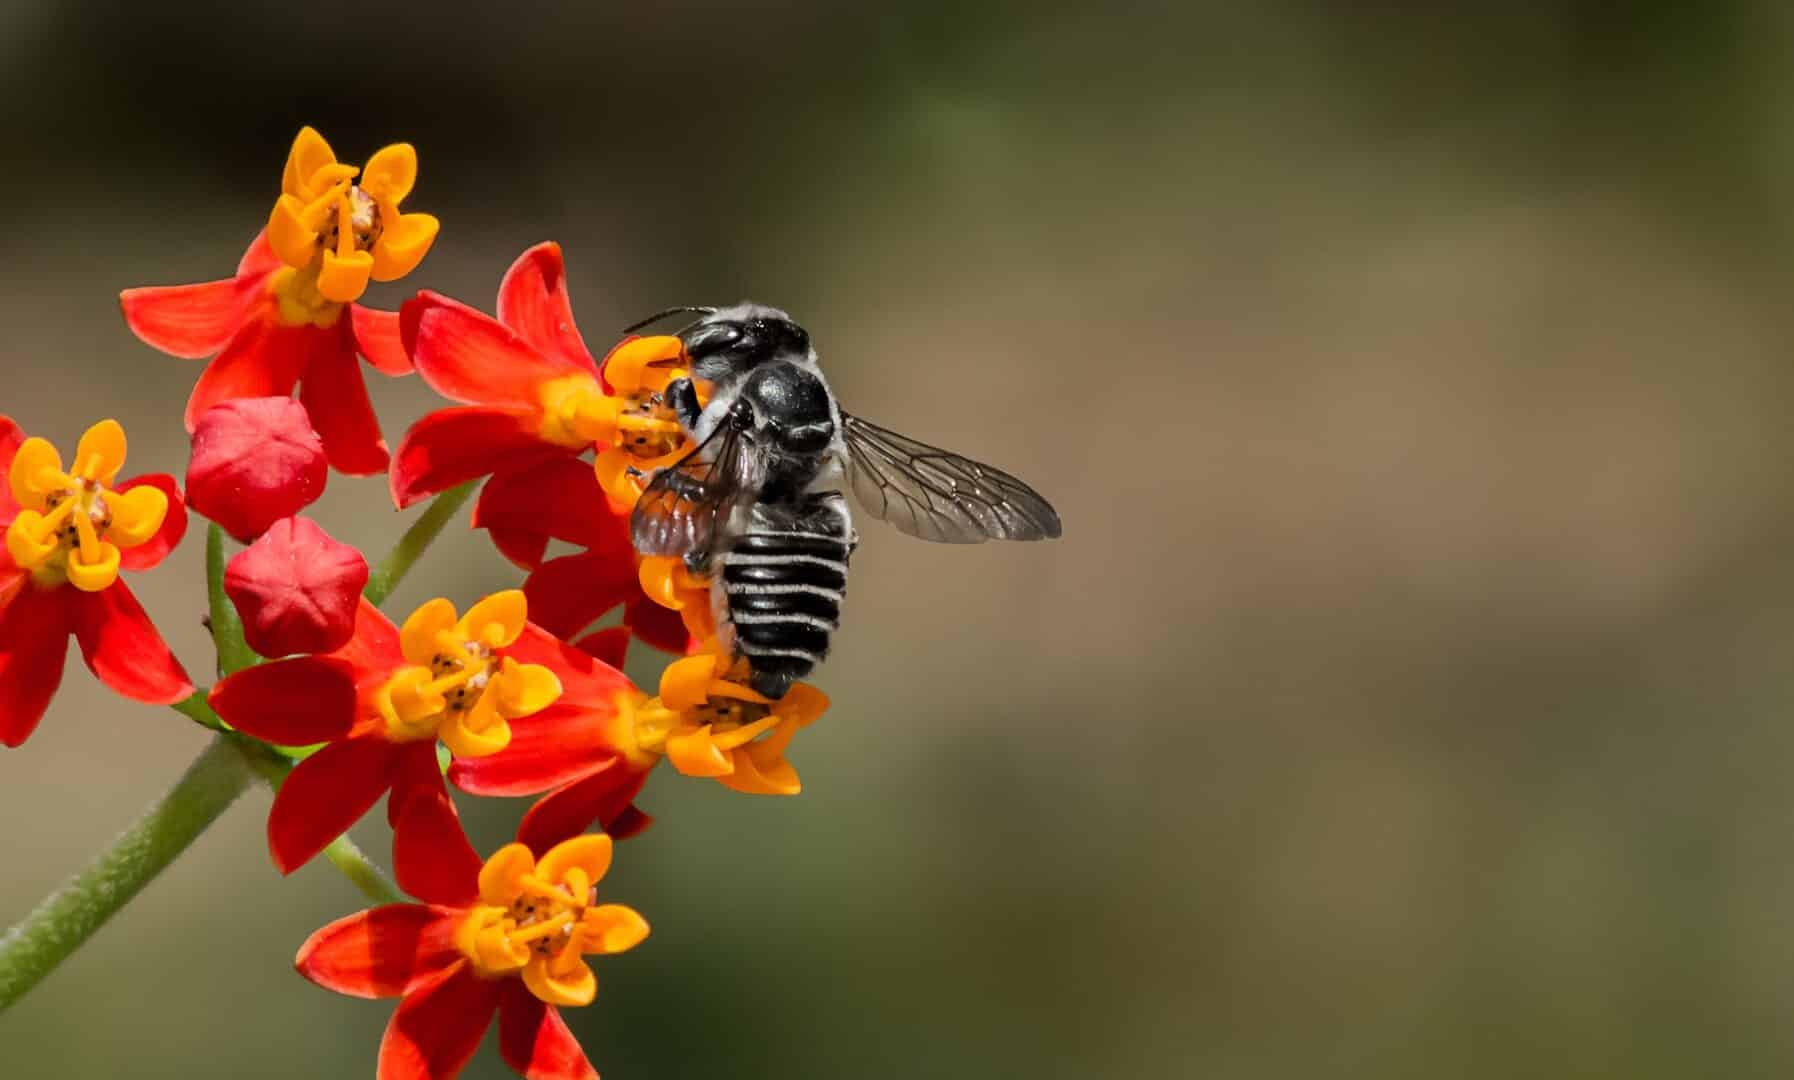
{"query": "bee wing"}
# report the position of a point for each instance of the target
(938, 495)
(684, 509)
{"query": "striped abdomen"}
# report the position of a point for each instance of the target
(781, 587)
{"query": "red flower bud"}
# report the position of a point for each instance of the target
(255, 461)
(296, 589)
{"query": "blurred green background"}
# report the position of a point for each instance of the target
(1409, 696)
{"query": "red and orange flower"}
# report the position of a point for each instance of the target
(382, 703)
(289, 316)
(593, 751)
(510, 937)
(533, 401)
(68, 535)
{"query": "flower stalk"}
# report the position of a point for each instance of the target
(234, 653)
(74, 912)
(417, 539)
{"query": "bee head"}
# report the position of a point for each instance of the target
(740, 338)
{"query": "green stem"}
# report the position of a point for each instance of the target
(362, 873)
(417, 539)
(227, 630)
(71, 914)
(196, 709)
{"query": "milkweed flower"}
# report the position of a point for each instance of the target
(255, 461)
(527, 386)
(510, 936)
(381, 703)
(533, 401)
(69, 533)
(297, 589)
(289, 317)
(640, 429)
(592, 753)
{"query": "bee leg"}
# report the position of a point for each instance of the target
(682, 395)
(698, 562)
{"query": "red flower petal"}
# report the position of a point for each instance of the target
(430, 854)
(558, 497)
(604, 798)
(259, 257)
(469, 357)
(308, 699)
(524, 547)
(570, 593)
(415, 771)
(532, 300)
(190, 321)
(437, 1027)
(10, 438)
(553, 747)
(373, 651)
(263, 359)
(122, 647)
(151, 552)
(631, 822)
(534, 1040)
(609, 646)
(324, 795)
(585, 680)
(255, 461)
(34, 642)
(658, 626)
(380, 953)
(377, 339)
(453, 446)
(337, 399)
(298, 590)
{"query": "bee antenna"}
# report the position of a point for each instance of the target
(659, 315)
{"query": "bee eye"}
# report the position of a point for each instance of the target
(713, 339)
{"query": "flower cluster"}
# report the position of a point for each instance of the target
(519, 693)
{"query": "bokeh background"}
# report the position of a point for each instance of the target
(1409, 697)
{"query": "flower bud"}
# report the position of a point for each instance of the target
(255, 461)
(296, 589)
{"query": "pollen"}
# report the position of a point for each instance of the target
(73, 525)
(458, 686)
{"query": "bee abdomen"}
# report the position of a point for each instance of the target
(783, 591)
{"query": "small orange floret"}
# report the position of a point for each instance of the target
(709, 724)
(540, 919)
(639, 429)
(340, 234)
(456, 685)
(74, 525)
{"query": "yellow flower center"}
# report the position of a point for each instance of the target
(540, 922)
(575, 412)
(346, 233)
(707, 723)
(298, 300)
(540, 919)
(456, 687)
(736, 721)
(640, 428)
(73, 524)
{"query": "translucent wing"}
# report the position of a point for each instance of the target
(686, 507)
(938, 495)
